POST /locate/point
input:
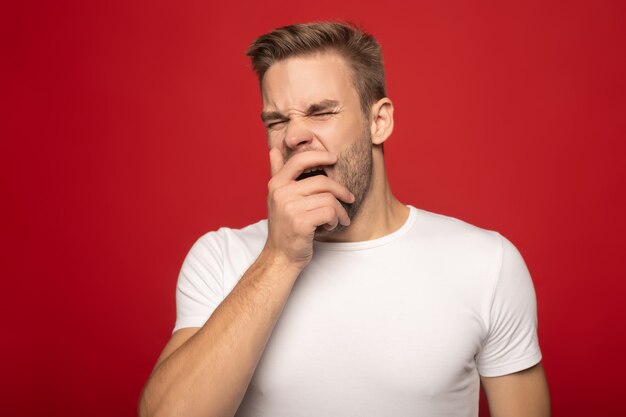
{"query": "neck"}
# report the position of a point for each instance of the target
(380, 213)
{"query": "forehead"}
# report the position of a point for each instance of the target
(295, 82)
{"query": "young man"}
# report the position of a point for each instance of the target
(345, 302)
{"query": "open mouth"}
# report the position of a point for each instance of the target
(311, 173)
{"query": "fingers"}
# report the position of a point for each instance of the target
(321, 184)
(307, 222)
(310, 206)
(297, 208)
(319, 194)
(285, 172)
(323, 216)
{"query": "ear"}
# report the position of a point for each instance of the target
(381, 116)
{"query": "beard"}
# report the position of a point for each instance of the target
(353, 170)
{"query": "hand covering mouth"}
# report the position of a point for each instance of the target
(311, 172)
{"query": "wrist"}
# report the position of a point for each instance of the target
(275, 258)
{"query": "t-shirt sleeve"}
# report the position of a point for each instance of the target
(512, 343)
(200, 288)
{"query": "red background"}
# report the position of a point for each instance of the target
(130, 129)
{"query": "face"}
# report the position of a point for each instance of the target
(310, 103)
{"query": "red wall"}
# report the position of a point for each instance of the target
(129, 130)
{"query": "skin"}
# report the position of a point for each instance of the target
(206, 371)
(289, 88)
(521, 394)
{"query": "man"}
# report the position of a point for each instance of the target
(345, 302)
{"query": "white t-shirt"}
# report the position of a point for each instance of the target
(397, 326)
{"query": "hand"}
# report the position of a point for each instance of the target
(297, 208)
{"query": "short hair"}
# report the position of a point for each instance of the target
(360, 50)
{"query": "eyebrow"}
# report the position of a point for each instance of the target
(313, 108)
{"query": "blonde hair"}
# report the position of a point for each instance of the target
(360, 50)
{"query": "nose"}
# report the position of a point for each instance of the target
(297, 135)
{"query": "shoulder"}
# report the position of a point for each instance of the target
(229, 239)
(453, 232)
(465, 245)
(220, 256)
(227, 251)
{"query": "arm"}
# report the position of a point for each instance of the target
(521, 394)
(206, 371)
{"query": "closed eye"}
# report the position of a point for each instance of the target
(270, 125)
(324, 114)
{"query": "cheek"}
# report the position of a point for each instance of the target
(335, 135)
(325, 131)
(272, 140)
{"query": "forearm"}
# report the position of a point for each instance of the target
(209, 374)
